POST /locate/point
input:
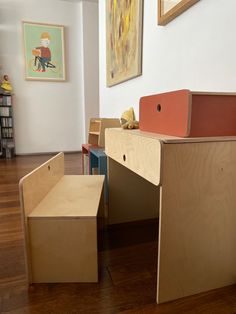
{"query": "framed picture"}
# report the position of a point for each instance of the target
(44, 51)
(123, 40)
(169, 9)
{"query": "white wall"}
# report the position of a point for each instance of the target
(197, 51)
(49, 116)
(90, 61)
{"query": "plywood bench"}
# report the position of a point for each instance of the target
(60, 223)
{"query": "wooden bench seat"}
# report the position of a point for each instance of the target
(60, 222)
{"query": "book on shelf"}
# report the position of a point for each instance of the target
(8, 143)
(6, 122)
(5, 111)
(5, 100)
(7, 132)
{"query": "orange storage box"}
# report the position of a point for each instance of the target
(189, 114)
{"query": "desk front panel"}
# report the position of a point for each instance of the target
(140, 154)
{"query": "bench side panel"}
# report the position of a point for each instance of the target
(33, 188)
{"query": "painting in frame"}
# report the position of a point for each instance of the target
(170, 9)
(44, 51)
(123, 40)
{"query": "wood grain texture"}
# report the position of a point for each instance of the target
(72, 196)
(197, 219)
(35, 185)
(168, 139)
(141, 154)
(61, 229)
(97, 128)
(196, 193)
(63, 249)
(33, 188)
(107, 123)
(179, 8)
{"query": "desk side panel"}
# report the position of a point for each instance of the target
(197, 219)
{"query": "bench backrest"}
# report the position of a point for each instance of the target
(33, 188)
(35, 185)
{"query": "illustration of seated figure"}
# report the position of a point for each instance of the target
(43, 52)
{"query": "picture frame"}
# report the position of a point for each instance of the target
(170, 9)
(44, 51)
(124, 21)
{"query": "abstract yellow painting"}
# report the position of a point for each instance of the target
(123, 40)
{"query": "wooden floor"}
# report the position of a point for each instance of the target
(127, 265)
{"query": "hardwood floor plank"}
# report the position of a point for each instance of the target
(15, 266)
(9, 196)
(7, 204)
(220, 301)
(136, 273)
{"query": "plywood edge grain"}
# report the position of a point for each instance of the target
(168, 139)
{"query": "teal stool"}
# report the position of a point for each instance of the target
(98, 165)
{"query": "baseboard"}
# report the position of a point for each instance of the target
(48, 153)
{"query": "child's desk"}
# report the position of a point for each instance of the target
(191, 182)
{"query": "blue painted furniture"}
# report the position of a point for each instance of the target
(98, 161)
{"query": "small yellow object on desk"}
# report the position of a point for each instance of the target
(6, 85)
(128, 120)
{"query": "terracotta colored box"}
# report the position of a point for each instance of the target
(189, 114)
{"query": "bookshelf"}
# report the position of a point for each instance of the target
(7, 143)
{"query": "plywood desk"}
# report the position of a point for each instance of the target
(190, 183)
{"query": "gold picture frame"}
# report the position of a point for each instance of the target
(123, 40)
(170, 9)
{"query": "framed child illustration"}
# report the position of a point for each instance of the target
(44, 51)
